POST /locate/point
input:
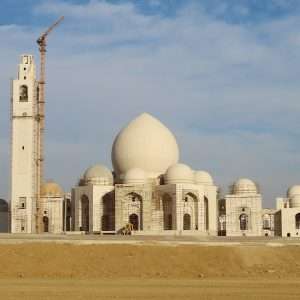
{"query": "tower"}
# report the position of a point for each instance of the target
(24, 148)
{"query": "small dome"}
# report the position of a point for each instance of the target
(3, 206)
(293, 191)
(203, 177)
(98, 174)
(295, 201)
(146, 144)
(135, 176)
(179, 173)
(51, 189)
(293, 194)
(244, 186)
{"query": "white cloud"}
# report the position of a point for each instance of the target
(229, 92)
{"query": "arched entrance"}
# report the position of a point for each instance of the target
(46, 223)
(186, 222)
(134, 210)
(243, 222)
(167, 212)
(206, 216)
(85, 213)
(190, 208)
(297, 221)
(108, 217)
(134, 220)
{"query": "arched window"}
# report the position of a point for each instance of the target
(243, 222)
(297, 220)
(23, 93)
(85, 215)
(46, 223)
(186, 222)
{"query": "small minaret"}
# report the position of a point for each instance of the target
(24, 148)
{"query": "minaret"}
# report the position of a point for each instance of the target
(24, 148)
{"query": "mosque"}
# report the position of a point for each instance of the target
(149, 188)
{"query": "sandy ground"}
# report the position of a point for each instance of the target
(149, 289)
(66, 271)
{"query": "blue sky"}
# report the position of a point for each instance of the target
(233, 11)
(222, 75)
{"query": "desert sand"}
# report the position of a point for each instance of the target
(66, 271)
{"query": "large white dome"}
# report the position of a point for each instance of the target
(145, 144)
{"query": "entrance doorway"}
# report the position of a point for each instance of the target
(134, 220)
(46, 224)
(186, 222)
(85, 215)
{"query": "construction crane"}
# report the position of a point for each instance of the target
(42, 42)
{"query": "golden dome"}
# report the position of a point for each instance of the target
(51, 189)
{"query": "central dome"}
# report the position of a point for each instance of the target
(145, 144)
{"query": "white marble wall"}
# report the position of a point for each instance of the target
(239, 204)
(52, 208)
(95, 194)
(288, 222)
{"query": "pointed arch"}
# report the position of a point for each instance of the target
(134, 196)
(134, 203)
(23, 93)
(243, 222)
(191, 207)
(297, 221)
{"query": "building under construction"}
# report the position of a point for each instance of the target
(148, 191)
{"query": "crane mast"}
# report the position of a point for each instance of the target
(42, 42)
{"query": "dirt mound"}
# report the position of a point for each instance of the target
(49, 260)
